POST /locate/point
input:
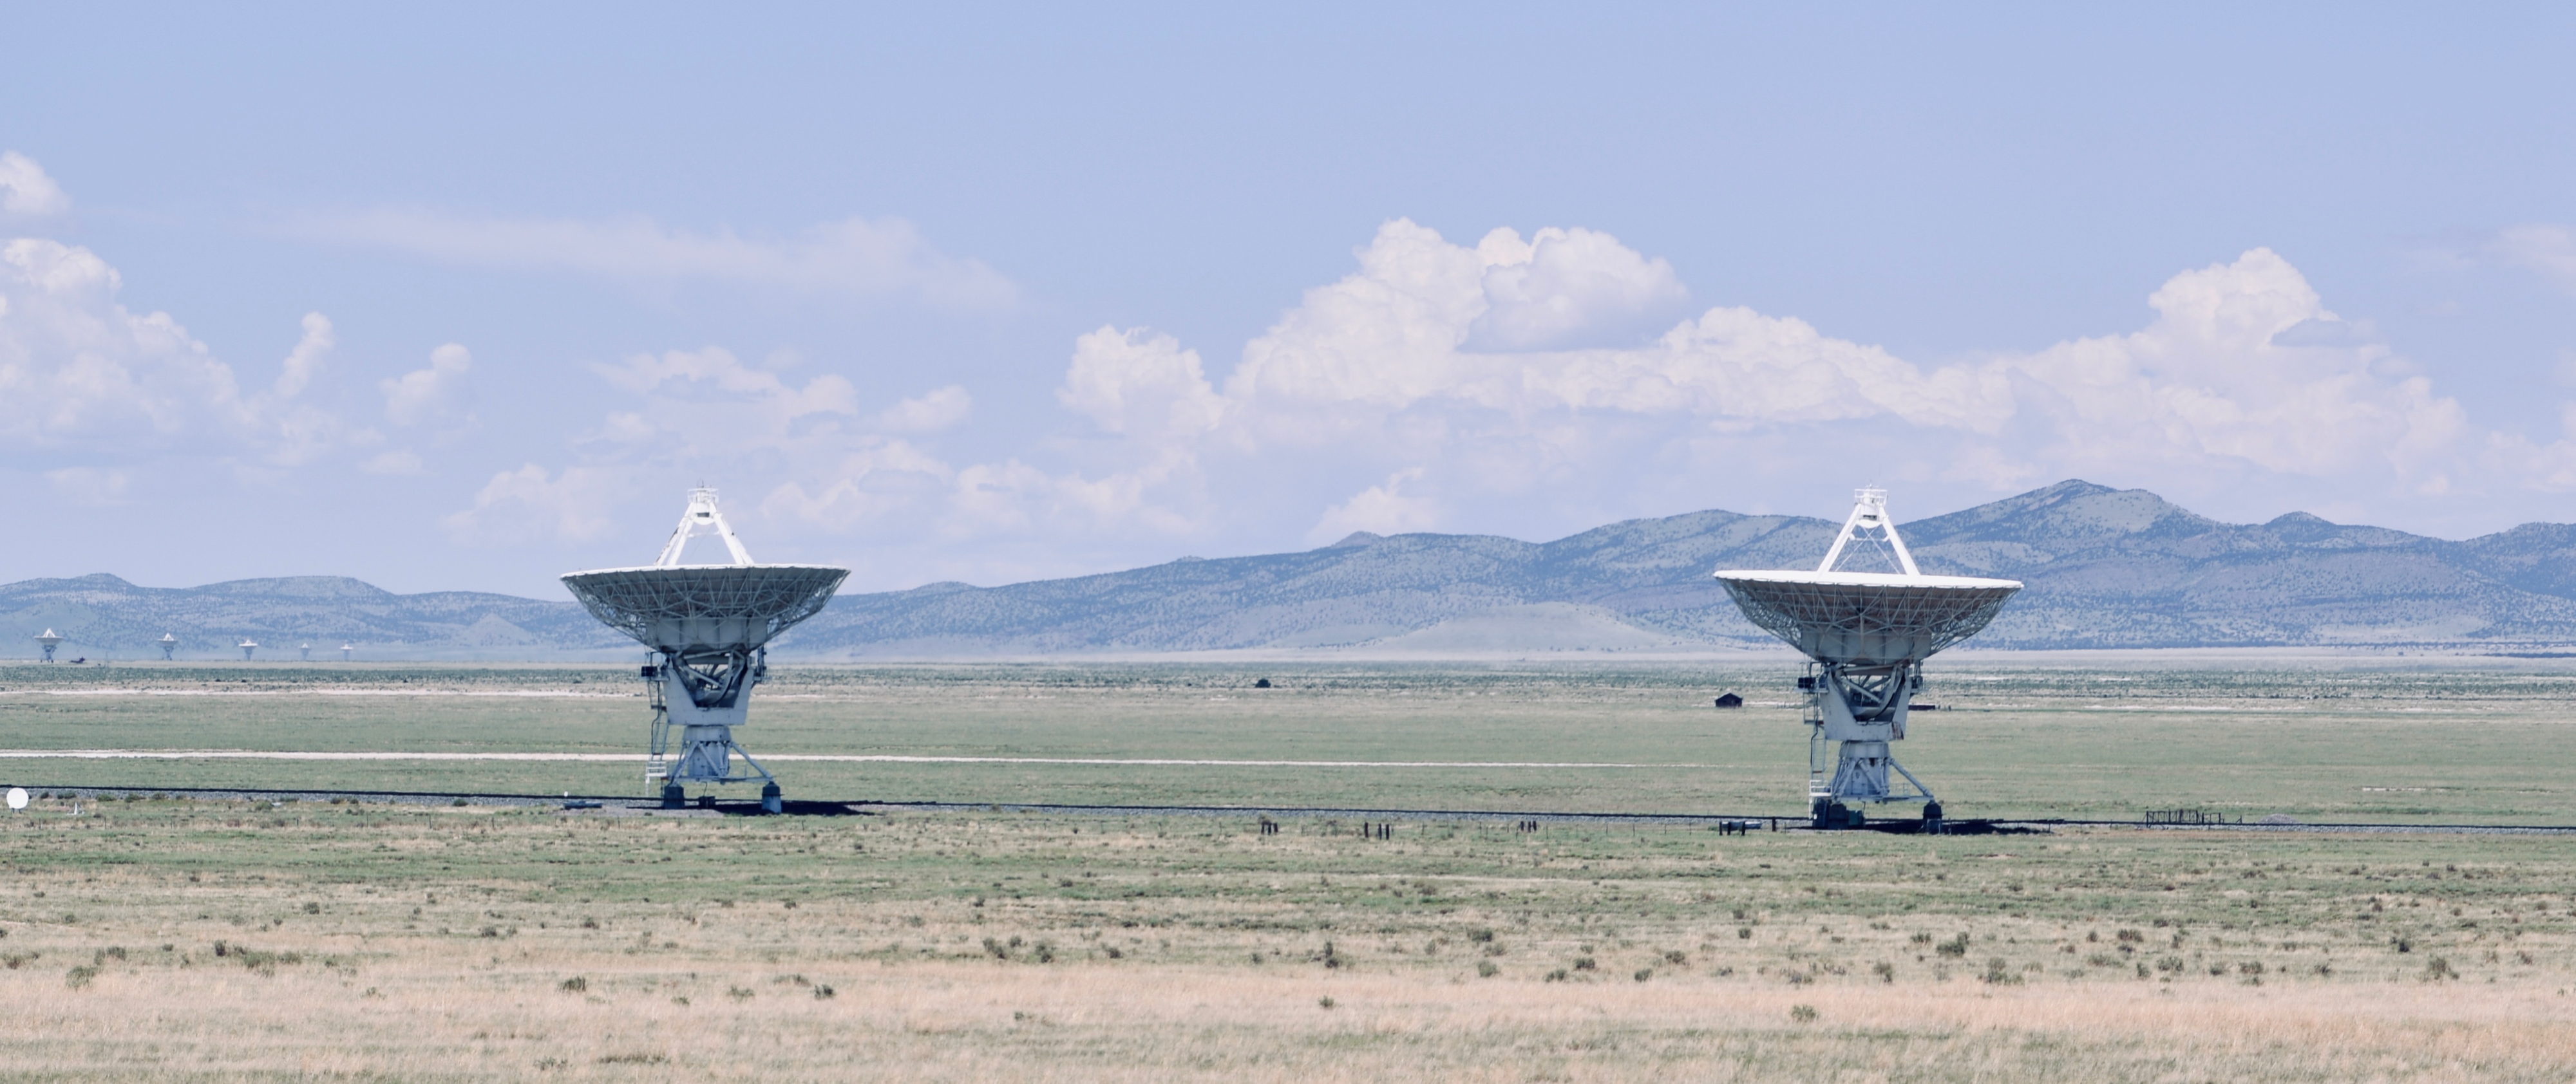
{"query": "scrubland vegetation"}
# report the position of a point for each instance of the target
(241, 941)
(165, 939)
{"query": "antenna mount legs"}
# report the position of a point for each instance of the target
(703, 697)
(1857, 712)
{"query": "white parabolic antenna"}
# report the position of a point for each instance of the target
(1869, 633)
(17, 798)
(708, 627)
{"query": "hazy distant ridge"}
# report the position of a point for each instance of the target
(2105, 568)
(103, 615)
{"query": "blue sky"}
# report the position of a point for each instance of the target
(467, 298)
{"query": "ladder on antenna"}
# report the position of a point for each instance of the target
(657, 764)
(1819, 763)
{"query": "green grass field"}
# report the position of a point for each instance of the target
(2314, 744)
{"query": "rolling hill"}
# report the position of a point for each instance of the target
(2106, 568)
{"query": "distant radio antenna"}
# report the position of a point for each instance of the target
(1868, 633)
(50, 640)
(169, 646)
(247, 645)
(709, 627)
(345, 649)
(307, 648)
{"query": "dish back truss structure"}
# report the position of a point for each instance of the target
(708, 627)
(1868, 634)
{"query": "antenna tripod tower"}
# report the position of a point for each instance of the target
(1867, 634)
(708, 628)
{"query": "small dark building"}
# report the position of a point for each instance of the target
(1261, 684)
(1729, 700)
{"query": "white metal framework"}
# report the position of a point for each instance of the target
(1869, 513)
(701, 519)
(708, 627)
(49, 641)
(169, 646)
(1868, 633)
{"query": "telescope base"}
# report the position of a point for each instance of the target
(1862, 773)
(693, 745)
(702, 756)
(707, 754)
(1832, 816)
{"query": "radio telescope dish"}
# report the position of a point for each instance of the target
(247, 645)
(708, 627)
(1868, 633)
(49, 641)
(169, 645)
(17, 798)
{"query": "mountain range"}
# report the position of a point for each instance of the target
(2105, 568)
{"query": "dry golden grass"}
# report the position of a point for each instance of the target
(443, 944)
(950, 1020)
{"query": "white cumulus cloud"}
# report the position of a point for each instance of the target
(79, 368)
(1380, 509)
(708, 405)
(299, 431)
(534, 504)
(305, 361)
(2212, 379)
(87, 377)
(1140, 384)
(434, 394)
(1550, 383)
(1402, 333)
(822, 461)
(26, 190)
(879, 478)
(1564, 289)
(1480, 373)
